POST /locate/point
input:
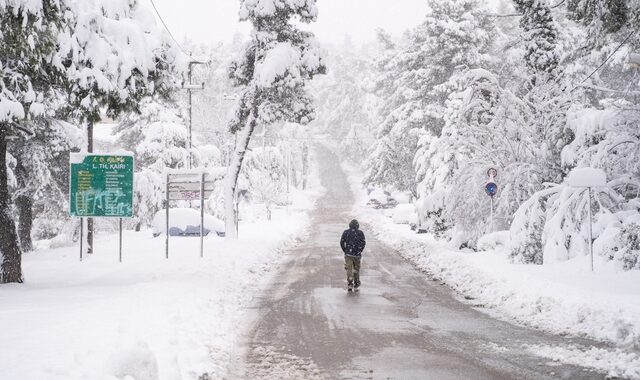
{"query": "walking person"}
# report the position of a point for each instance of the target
(352, 244)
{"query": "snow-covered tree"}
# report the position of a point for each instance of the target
(600, 17)
(28, 34)
(450, 51)
(588, 131)
(41, 172)
(264, 173)
(452, 37)
(114, 55)
(272, 74)
(158, 138)
(213, 105)
(539, 34)
(553, 226)
(346, 105)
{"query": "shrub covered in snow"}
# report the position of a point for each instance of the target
(494, 240)
(264, 173)
(553, 226)
(158, 136)
(628, 252)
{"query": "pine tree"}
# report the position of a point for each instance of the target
(419, 82)
(539, 34)
(41, 173)
(600, 17)
(545, 90)
(113, 57)
(28, 35)
(158, 138)
(344, 99)
(264, 173)
(272, 74)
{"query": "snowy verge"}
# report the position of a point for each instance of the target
(146, 318)
(616, 363)
(562, 298)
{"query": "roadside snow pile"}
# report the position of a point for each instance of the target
(498, 239)
(147, 318)
(563, 297)
(617, 363)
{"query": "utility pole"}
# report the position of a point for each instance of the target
(189, 87)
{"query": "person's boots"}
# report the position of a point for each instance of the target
(349, 285)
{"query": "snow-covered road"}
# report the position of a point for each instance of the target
(401, 325)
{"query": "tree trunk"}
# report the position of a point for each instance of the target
(25, 221)
(231, 181)
(9, 247)
(24, 204)
(305, 166)
(90, 220)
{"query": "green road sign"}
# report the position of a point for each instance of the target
(101, 185)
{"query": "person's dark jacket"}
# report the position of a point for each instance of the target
(352, 242)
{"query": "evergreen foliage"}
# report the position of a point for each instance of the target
(272, 74)
(28, 35)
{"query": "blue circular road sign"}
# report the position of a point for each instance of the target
(491, 188)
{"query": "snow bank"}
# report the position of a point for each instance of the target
(147, 318)
(498, 239)
(616, 363)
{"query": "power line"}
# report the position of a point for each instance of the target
(609, 57)
(166, 27)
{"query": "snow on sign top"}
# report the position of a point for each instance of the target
(587, 177)
(78, 158)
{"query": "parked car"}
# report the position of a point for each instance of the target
(185, 222)
(380, 199)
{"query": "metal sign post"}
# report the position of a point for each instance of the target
(202, 180)
(491, 188)
(120, 242)
(492, 225)
(166, 241)
(190, 185)
(100, 185)
(588, 178)
(590, 229)
(81, 235)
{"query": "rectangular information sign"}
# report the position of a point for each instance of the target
(101, 185)
(189, 190)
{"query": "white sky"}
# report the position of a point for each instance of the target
(206, 21)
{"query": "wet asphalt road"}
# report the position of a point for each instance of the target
(401, 325)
